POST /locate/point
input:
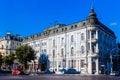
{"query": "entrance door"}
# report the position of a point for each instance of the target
(93, 67)
(43, 67)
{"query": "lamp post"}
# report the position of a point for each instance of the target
(111, 61)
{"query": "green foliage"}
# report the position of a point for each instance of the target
(24, 54)
(9, 60)
(1, 60)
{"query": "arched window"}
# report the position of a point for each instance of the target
(62, 52)
(82, 49)
(72, 51)
(82, 36)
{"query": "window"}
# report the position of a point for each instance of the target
(88, 34)
(65, 29)
(45, 50)
(93, 34)
(83, 23)
(45, 43)
(53, 53)
(93, 66)
(93, 47)
(2, 47)
(56, 31)
(72, 63)
(82, 36)
(7, 47)
(7, 42)
(71, 27)
(75, 26)
(72, 51)
(62, 52)
(82, 49)
(42, 50)
(62, 29)
(54, 42)
(72, 39)
(62, 40)
(6, 52)
(59, 64)
(88, 46)
(82, 63)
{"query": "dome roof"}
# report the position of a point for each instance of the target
(92, 19)
(92, 12)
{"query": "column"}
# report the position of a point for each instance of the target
(57, 62)
(96, 34)
(79, 65)
(90, 43)
(70, 63)
(90, 65)
(66, 64)
(97, 41)
(97, 66)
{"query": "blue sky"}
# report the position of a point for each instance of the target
(26, 17)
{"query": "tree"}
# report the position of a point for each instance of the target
(9, 59)
(1, 60)
(24, 54)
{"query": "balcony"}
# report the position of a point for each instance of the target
(95, 55)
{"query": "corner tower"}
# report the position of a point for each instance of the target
(92, 18)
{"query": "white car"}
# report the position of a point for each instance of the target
(61, 71)
(115, 73)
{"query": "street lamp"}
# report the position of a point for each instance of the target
(111, 61)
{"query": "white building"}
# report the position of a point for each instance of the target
(9, 43)
(84, 45)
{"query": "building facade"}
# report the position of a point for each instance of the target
(84, 46)
(9, 43)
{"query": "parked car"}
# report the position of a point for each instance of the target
(114, 73)
(61, 71)
(72, 71)
(17, 72)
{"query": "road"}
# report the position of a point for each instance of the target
(57, 77)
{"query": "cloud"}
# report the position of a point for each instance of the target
(113, 24)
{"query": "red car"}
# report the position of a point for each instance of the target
(17, 72)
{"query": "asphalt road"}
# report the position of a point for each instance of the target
(57, 77)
